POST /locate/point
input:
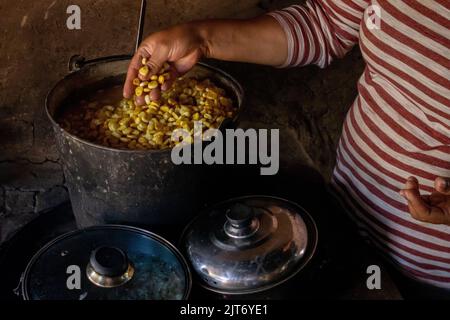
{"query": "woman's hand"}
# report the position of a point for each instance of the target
(259, 40)
(433, 208)
(181, 45)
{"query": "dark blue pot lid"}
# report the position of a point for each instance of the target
(107, 263)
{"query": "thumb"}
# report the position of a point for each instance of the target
(442, 185)
(155, 62)
(186, 63)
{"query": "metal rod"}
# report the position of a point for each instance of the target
(141, 23)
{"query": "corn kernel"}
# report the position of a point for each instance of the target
(138, 91)
(143, 71)
(152, 84)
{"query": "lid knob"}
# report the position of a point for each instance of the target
(109, 261)
(109, 267)
(241, 221)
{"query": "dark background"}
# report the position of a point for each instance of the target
(308, 105)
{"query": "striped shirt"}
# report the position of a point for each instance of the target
(399, 124)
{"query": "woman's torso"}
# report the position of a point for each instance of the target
(399, 126)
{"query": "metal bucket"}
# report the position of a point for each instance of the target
(135, 187)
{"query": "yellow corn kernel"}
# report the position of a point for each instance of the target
(116, 134)
(143, 71)
(127, 131)
(161, 79)
(137, 120)
(152, 84)
(153, 108)
(138, 91)
(113, 126)
(154, 77)
(196, 116)
(142, 127)
(174, 114)
(124, 121)
(144, 61)
(136, 81)
(145, 118)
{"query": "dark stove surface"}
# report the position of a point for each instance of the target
(337, 271)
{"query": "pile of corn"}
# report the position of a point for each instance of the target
(128, 126)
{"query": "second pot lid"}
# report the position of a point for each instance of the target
(249, 244)
(108, 262)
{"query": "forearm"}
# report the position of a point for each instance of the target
(259, 40)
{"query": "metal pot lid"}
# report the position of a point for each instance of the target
(249, 244)
(107, 263)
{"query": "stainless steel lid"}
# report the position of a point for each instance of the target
(249, 244)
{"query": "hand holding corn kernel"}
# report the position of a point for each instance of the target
(181, 46)
(148, 88)
(258, 40)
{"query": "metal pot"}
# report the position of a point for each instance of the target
(249, 244)
(107, 263)
(136, 187)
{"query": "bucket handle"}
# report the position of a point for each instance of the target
(76, 62)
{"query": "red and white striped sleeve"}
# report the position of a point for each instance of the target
(321, 30)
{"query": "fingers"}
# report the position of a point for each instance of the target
(132, 73)
(156, 57)
(173, 76)
(155, 94)
(442, 185)
(156, 60)
(139, 101)
(417, 205)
